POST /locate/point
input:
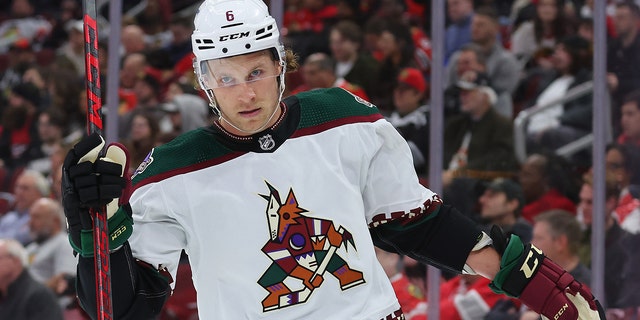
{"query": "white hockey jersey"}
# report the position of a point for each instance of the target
(276, 225)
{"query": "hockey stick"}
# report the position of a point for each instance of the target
(94, 125)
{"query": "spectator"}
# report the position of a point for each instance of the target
(629, 293)
(466, 297)
(390, 9)
(622, 57)
(584, 29)
(318, 71)
(147, 91)
(186, 112)
(458, 33)
(479, 142)
(68, 11)
(20, 58)
(563, 123)
(154, 20)
(23, 25)
(29, 187)
(547, 184)
(57, 158)
(19, 142)
(620, 161)
(521, 11)
(179, 49)
(630, 119)
(133, 39)
(65, 88)
(23, 297)
(71, 54)
(51, 258)
(306, 25)
(372, 31)
(133, 68)
(558, 234)
(352, 63)
(51, 126)
(501, 67)
(143, 135)
(411, 116)
(549, 26)
(350, 10)
(478, 145)
(614, 251)
(398, 52)
(500, 205)
(470, 58)
(411, 297)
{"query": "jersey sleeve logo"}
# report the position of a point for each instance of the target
(302, 250)
(360, 100)
(145, 163)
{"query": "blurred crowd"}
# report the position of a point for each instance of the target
(518, 107)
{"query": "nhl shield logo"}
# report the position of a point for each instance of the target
(266, 142)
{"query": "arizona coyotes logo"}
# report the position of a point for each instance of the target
(302, 249)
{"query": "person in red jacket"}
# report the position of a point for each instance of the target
(466, 297)
(546, 185)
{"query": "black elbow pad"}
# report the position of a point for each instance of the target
(443, 239)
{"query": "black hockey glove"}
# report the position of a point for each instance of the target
(541, 284)
(92, 178)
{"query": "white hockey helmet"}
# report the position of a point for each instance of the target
(227, 28)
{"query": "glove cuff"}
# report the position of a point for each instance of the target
(518, 265)
(120, 229)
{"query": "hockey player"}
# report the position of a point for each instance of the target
(349, 181)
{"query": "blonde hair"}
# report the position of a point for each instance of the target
(291, 60)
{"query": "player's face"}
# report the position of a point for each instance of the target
(246, 90)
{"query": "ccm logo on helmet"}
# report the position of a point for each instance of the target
(234, 36)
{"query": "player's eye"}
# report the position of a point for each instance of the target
(226, 81)
(255, 74)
